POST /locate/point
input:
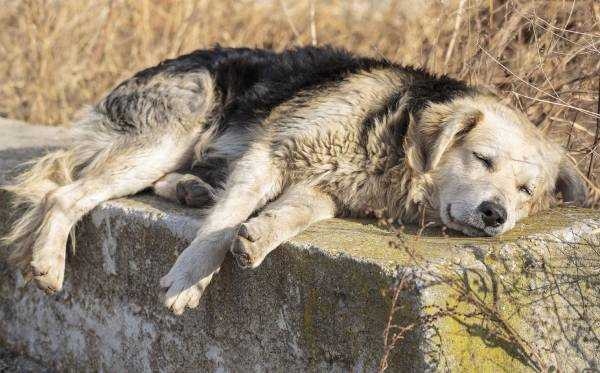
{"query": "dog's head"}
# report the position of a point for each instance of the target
(487, 165)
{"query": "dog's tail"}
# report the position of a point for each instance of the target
(29, 191)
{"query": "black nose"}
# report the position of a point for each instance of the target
(492, 213)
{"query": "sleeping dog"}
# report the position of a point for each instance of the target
(298, 136)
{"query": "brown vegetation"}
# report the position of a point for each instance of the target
(542, 55)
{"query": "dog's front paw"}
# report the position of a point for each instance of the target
(248, 247)
(183, 292)
(193, 270)
(48, 271)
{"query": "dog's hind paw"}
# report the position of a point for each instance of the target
(48, 272)
(194, 192)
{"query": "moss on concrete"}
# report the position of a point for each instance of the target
(464, 337)
(522, 306)
(364, 240)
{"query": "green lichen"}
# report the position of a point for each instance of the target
(465, 340)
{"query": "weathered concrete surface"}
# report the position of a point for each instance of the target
(525, 301)
(15, 362)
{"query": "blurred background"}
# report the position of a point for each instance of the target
(542, 56)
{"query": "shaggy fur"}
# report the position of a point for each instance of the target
(300, 136)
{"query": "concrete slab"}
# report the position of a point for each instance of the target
(18, 363)
(526, 301)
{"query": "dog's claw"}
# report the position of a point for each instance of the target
(252, 243)
(182, 293)
(247, 233)
(242, 250)
(48, 274)
(246, 248)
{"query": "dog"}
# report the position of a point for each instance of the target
(273, 142)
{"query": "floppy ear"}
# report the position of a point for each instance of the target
(429, 138)
(451, 132)
(571, 183)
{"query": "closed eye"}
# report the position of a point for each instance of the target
(487, 162)
(526, 189)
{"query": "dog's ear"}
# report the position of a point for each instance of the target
(571, 183)
(453, 130)
(437, 130)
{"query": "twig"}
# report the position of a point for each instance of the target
(390, 343)
(587, 112)
(459, 16)
(597, 136)
(99, 49)
(289, 19)
(560, 103)
(313, 26)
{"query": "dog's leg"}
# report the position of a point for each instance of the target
(290, 214)
(253, 181)
(122, 170)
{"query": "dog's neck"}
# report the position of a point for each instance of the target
(399, 190)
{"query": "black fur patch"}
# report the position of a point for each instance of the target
(251, 82)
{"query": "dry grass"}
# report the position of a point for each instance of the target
(543, 55)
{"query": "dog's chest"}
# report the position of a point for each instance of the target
(339, 163)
